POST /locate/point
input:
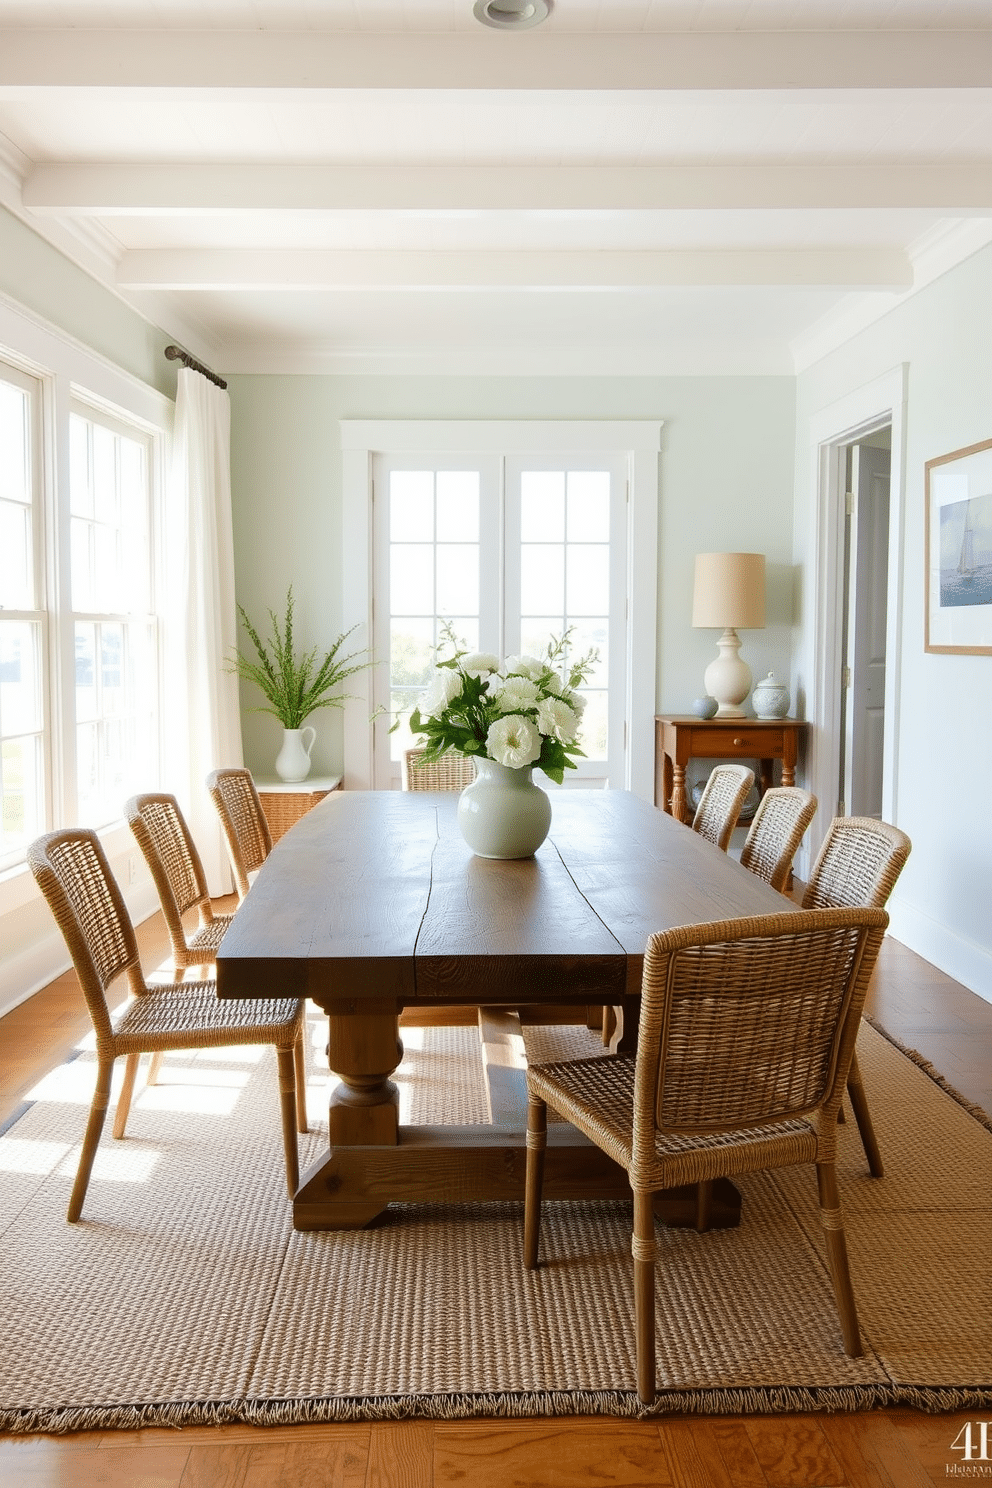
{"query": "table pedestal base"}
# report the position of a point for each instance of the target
(350, 1186)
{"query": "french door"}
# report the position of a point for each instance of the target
(504, 551)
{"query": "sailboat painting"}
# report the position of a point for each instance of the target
(966, 552)
(958, 552)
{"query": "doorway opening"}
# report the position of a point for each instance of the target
(864, 626)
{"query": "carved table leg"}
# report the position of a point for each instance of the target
(364, 1112)
(678, 793)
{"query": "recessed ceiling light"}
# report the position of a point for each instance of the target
(511, 15)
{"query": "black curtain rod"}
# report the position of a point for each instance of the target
(176, 354)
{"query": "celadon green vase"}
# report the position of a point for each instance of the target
(503, 814)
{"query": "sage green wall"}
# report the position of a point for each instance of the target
(40, 278)
(943, 784)
(726, 483)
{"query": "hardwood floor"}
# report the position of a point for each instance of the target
(919, 1005)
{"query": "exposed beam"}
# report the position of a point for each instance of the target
(216, 61)
(218, 190)
(318, 269)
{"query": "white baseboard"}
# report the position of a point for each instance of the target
(22, 975)
(966, 962)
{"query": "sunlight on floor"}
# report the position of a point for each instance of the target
(18, 1156)
(115, 1162)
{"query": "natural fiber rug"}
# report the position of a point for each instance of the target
(185, 1295)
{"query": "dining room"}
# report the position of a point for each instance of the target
(321, 447)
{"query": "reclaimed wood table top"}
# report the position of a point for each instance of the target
(373, 895)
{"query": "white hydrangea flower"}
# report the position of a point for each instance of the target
(444, 687)
(479, 663)
(525, 666)
(514, 694)
(513, 741)
(557, 719)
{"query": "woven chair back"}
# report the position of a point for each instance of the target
(160, 830)
(72, 871)
(749, 1022)
(858, 864)
(778, 827)
(246, 831)
(721, 802)
(452, 772)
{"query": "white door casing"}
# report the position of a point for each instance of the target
(862, 787)
(866, 409)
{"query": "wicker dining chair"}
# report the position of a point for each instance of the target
(452, 772)
(71, 869)
(777, 829)
(721, 803)
(858, 864)
(161, 832)
(246, 831)
(747, 1028)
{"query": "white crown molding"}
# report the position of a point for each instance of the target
(688, 358)
(212, 62)
(942, 249)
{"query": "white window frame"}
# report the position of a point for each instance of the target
(70, 373)
(639, 440)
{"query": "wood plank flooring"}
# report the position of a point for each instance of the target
(919, 1005)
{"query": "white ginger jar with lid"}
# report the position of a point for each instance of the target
(771, 698)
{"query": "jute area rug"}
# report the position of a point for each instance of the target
(185, 1296)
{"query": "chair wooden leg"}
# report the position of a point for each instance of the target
(91, 1140)
(833, 1226)
(859, 1103)
(127, 1090)
(537, 1141)
(287, 1101)
(704, 1204)
(154, 1065)
(299, 1061)
(643, 1249)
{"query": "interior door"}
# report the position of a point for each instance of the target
(863, 708)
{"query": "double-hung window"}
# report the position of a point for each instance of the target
(114, 648)
(23, 671)
(80, 451)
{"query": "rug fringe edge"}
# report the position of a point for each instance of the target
(920, 1060)
(827, 1399)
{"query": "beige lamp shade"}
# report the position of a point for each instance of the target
(729, 591)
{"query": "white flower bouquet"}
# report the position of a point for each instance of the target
(526, 711)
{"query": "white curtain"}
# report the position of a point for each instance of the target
(203, 721)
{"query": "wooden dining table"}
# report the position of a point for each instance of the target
(373, 904)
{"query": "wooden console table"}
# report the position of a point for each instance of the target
(678, 739)
(284, 804)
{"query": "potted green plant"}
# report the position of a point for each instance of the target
(295, 683)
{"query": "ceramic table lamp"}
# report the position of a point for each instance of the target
(729, 594)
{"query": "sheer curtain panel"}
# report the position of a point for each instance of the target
(203, 728)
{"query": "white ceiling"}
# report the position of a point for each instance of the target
(643, 186)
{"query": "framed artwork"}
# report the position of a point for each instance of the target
(959, 552)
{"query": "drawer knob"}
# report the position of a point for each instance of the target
(739, 743)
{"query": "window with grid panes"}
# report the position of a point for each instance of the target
(115, 657)
(23, 674)
(507, 552)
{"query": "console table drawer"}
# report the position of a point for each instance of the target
(755, 743)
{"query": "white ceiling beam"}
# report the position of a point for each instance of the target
(216, 61)
(219, 190)
(334, 269)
